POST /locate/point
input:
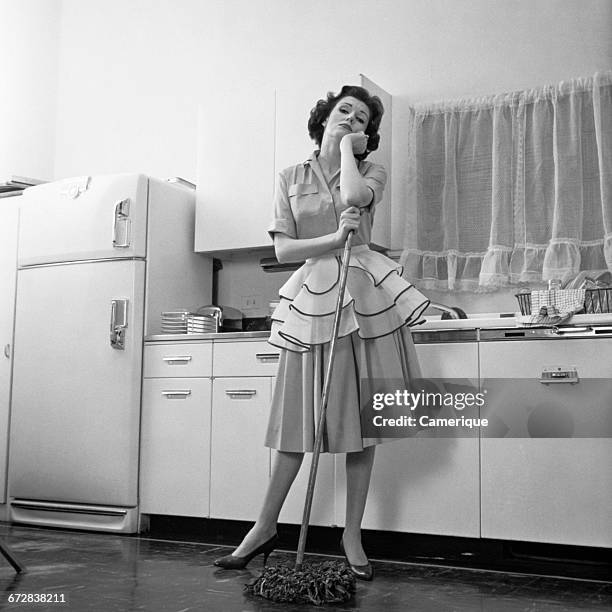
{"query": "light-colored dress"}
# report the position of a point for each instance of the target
(378, 309)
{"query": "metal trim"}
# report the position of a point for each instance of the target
(544, 333)
(74, 508)
(80, 261)
(443, 336)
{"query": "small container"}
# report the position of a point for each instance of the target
(554, 284)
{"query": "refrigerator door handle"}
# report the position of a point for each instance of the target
(122, 225)
(118, 323)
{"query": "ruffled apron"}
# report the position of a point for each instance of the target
(378, 309)
(377, 300)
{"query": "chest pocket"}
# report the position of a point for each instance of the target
(305, 199)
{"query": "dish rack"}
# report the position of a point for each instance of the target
(595, 301)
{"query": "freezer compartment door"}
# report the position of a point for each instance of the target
(84, 218)
(76, 394)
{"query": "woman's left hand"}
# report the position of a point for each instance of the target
(358, 142)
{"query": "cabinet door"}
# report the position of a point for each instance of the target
(426, 485)
(240, 463)
(175, 446)
(235, 170)
(381, 230)
(8, 277)
(323, 511)
(548, 489)
(293, 105)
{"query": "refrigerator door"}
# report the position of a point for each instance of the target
(76, 383)
(84, 218)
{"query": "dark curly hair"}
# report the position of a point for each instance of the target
(323, 108)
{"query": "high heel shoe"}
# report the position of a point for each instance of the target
(234, 562)
(363, 572)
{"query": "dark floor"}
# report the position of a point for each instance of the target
(106, 573)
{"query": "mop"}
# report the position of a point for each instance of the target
(328, 581)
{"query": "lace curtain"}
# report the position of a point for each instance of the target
(511, 189)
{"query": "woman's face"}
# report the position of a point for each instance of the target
(349, 115)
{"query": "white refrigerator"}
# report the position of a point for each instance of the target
(99, 259)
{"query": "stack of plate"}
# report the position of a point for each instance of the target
(202, 324)
(174, 322)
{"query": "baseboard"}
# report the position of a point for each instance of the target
(580, 562)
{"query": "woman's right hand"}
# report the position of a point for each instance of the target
(349, 220)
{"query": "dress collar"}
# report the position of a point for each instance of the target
(313, 162)
(313, 158)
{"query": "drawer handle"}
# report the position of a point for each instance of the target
(177, 359)
(559, 374)
(176, 394)
(241, 392)
(267, 356)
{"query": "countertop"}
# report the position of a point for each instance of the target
(237, 335)
(435, 323)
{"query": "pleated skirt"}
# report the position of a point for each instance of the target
(374, 342)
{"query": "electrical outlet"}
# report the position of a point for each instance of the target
(250, 302)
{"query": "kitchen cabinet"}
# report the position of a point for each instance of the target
(553, 490)
(9, 216)
(175, 429)
(548, 489)
(324, 510)
(424, 484)
(240, 464)
(240, 153)
(293, 105)
(235, 170)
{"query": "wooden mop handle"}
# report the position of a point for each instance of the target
(324, 398)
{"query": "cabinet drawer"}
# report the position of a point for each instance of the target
(178, 360)
(245, 358)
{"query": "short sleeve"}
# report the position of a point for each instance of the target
(282, 216)
(375, 177)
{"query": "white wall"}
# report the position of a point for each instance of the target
(28, 87)
(131, 72)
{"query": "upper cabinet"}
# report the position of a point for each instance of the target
(381, 230)
(246, 141)
(235, 173)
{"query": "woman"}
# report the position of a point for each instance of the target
(316, 204)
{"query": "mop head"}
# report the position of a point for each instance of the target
(315, 583)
